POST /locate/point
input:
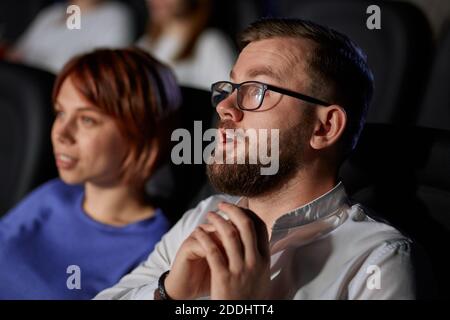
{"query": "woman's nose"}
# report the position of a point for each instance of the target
(63, 131)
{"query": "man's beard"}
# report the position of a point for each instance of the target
(247, 180)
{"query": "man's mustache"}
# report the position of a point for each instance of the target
(226, 124)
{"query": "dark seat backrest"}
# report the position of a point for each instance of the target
(25, 123)
(16, 17)
(398, 53)
(435, 109)
(174, 185)
(403, 175)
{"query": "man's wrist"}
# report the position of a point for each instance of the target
(161, 293)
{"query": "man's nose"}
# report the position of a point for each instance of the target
(229, 110)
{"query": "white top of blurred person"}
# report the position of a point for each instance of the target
(177, 35)
(48, 43)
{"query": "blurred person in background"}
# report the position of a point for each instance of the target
(177, 34)
(49, 43)
(114, 112)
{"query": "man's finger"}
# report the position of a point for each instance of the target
(251, 228)
(231, 240)
(216, 261)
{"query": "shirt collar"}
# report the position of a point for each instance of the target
(310, 221)
(321, 207)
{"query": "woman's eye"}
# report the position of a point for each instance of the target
(59, 114)
(88, 121)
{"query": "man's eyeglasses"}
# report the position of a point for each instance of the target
(251, 94)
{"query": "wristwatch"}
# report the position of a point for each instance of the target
(161, 288)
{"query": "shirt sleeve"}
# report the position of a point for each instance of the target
(386, 274)
(142, 282)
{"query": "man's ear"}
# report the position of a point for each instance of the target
(329, 126)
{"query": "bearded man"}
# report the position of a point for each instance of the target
(293, 234)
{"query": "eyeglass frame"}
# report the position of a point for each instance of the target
(298, 95)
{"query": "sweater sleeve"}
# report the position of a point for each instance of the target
(142, 282)
(29, 209)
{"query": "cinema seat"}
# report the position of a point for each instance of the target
(16, 16)
(435, 109)
(402, 175)
(398, 53)
(174, 186)
(25, 121)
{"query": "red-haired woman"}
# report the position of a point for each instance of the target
(79, 234)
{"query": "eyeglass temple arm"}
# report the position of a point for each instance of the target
(299, 96)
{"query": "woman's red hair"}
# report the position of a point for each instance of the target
(139, 92)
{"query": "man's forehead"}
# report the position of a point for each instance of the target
(277, 58)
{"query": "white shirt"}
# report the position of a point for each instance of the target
(326, 249)
(48, 43)
(211, 60)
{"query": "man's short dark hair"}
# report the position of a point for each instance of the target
(335, 62)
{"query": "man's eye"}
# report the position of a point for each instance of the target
(255, 92)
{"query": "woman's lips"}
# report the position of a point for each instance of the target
(65, 162)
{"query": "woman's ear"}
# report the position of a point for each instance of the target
(137, 168)
(329, 127)
(152, 159)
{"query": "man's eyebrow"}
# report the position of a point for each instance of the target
(261, 71)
